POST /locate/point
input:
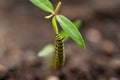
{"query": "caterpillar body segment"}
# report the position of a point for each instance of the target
(59, 52)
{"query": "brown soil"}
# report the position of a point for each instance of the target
(24, 32)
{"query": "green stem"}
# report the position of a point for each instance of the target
(54, 23)
(57, 8)
(55, 12)
(53, 15)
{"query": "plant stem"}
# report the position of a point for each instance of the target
(57, 8)
(55, 12)
(54, 23)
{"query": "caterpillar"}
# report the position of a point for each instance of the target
(59, 52)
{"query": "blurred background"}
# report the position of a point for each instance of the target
(24, 32)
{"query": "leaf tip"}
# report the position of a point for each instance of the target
(83, 45)
(31, 0)
(60, 2)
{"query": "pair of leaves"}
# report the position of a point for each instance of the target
(65, 23)
(47, 51)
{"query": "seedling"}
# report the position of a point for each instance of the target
(69, 30)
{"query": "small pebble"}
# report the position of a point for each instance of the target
(2, 68)
(108, 46)
(52, 78)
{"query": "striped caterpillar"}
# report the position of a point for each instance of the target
(59, 52)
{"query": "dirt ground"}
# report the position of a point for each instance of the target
(24, 32)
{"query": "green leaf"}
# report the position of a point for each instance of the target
(45, 5)
(77, 24)
(47, 54)
(71, 30)
(46, 51)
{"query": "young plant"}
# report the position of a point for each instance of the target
(69, 30)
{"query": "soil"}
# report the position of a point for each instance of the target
(24, 32)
